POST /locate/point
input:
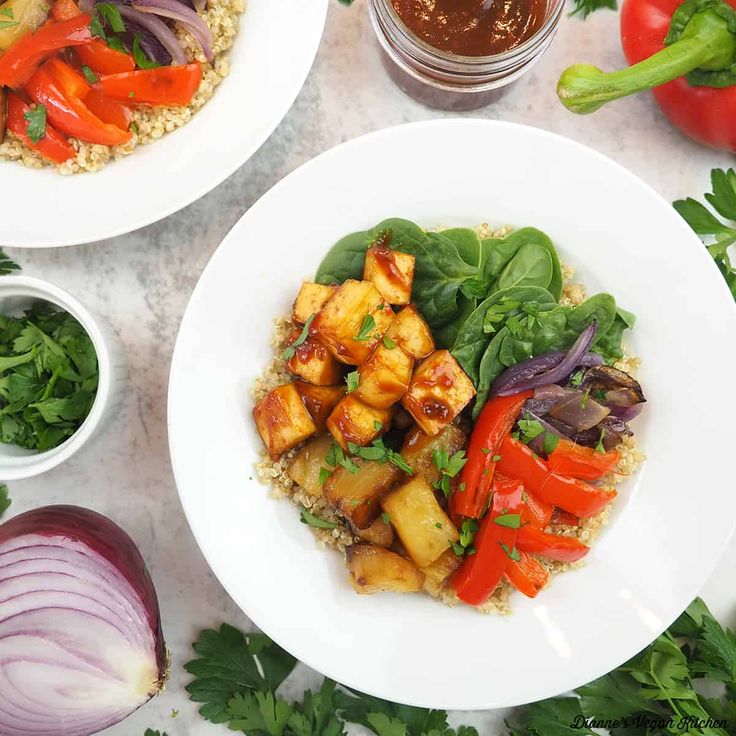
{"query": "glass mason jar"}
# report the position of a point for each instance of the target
(447, 81)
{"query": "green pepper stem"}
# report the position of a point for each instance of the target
(705, 42)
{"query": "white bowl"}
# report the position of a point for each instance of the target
(17, 293)
(671, 521)
(273, 52)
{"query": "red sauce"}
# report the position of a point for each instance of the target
(472, 27)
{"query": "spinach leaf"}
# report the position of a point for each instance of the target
(344, 260)
(490, 368)
(395, 232)
(608, 343)
(531, 266)
(467, 243)
(600, 308)
(445, 336)
(552, 329)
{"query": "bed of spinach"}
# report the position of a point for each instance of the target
(492, 301)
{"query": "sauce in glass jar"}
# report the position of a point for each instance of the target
(472, 27)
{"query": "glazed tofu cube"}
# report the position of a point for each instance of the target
(391, 271)
(356, 495)
(438, 392)
(356, 422)
(418, 449)
(423, 527)
(375, 569)
(282, 420)
(436, 574)
(352, 321)
(384, 377)
(310, 299)
(411, 333)
(380, 533)
(304, 468)
(320, 400)
(313, 362)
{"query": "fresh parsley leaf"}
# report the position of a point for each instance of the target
(89, 75)
(7, 12)
(388, 342)
(307, 517)
(551, 441)
(496, 458)
(4, 500)
(36, 128)
(324, 474)
(399, 462)
(576, 379)
(485, 450)
(530, 429)
(353, 380)
(512, 521)
(512, 553)
(584, 8)
(111, 14)
(468, 530)
(600, 448)
(140, 56)
(378, 426)
(386, 517)
(8, 24)
(7, 264)
(96, 29)
(369, 324)
(290, 350)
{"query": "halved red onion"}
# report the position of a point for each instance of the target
(526, 375)
(183, 14)
(81, 645)
(157, 28)
(579, 411)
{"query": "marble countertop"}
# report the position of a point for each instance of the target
(141, 283)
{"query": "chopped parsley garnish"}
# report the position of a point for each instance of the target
(388, 342)
(399, 462)
(4, 499)
(512, 521)
(336, 456)
(496, 458)
(378, 452)
(8, 23)
(468, 530)
(352, 379)
(461, 486)
(7, 12)
(530, 429)
(550, 443)
(369, 324)
(307, 517)
(600, 447)
(290, 351)
(324, 474)
(512, 553)
(485, 450)
(386, 518)
(438, 524)
(378, 426)
(115, 43)
(576, 379)
(449, 466)
(584, 399)
(89, 75)
(36, 128)
(111, 14)
(140, 56)
(96, 29)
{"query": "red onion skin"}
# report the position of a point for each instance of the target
(183, 14)
(157, 28)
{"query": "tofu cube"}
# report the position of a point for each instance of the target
(423, 527)
(438, 392)
(391, 271)
(384, 377)
(375, 569)
(352, 322)
(320, 400)
(310, 299)
(411, 333)
(313, 362)
(304, 468)
(356, 495)
(379, 533)
(356, 422)
(282, 420)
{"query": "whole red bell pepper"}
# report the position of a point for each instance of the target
(527, 574)
(579, 498)
(25, 55)
(495, 544)
(684, 52)
(164, 85)
(578, 461)
(53, 146)
(474, 483)
(554, 546)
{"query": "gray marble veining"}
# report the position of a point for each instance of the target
(141, 283)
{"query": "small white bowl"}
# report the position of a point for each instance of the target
(17, 293)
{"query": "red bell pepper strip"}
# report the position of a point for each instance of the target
(70, 115)
(528, 575)
(25, 55)
(65, 9)
(53, 146)
(554, 546)
(107, 110)
(578, 461)
(164, 85)
(575, 496)
(535, 511)
(495, 421)
(559, 516)
(69, 79)
(685, 53)
(479, 575)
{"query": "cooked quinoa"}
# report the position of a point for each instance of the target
(274, 473)
(150, 123)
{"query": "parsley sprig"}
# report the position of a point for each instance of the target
(717, 235)
(449, 466)
(584, 8)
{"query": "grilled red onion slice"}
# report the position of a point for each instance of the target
(526, 374)
(157, 28)
(579, 411)
(80, 633)
(181, 14)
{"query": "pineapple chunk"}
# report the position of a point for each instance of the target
(384, 377)
(313, 362)
(375, 569)
(355, 310)
(438, 392)
(310, 299)
(304, 469)
(411, 333)
(320, 400)
(423, 527)
(380, 533)
(355, 495)
(418, 449)
(356, 422)
(282, 420)
(391, 271)
(436, 574)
